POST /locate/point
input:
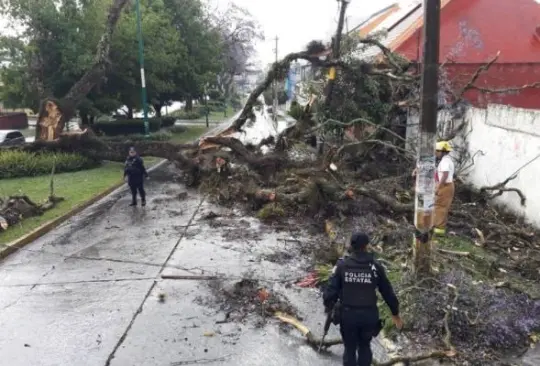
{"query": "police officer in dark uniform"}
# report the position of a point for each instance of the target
(354, 282)
(134, 174)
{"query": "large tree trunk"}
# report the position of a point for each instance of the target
(157, 109)
(189, 104)
(54, 113)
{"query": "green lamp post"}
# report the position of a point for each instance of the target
(141, 62)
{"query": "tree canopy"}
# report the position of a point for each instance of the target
(187, 49)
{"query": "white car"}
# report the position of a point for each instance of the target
(11, 137)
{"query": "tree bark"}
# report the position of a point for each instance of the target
(17, 208)
(88, 144)
(54, 113)
(157, 109)
(85, 120)
(189, 104)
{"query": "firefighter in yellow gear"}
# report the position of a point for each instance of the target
(444, 191)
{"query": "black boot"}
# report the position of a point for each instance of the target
(133, 203)
(143, 203)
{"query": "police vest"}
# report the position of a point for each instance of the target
(132, 166)
(359, 279)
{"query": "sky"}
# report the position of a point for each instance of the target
(297, 22)
(294, 22)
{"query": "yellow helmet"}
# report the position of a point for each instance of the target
(443, 146)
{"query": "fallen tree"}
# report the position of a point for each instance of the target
(15, 209)
(55, 113)
(358, 175)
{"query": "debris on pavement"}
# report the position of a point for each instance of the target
(243, 298)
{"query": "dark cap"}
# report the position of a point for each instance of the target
(359, 241)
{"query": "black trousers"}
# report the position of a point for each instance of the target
(137, 186)
(357, 329)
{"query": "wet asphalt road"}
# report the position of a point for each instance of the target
(87, 293)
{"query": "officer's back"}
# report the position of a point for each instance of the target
(354, 282)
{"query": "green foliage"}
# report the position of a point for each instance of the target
(189, 115)
(216, 95)
(236, 102)
(158, 136)
(168, 121)
(214, 106)
(296, 111)
(183, 53)
(360, 95)
(324, 272)
(268, 96)
(165, 57)
(55, 47)
(186, 135)
(271, 211)
(177, 129)
(15, 164)
(126, 127)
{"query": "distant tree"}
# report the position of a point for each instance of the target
(55, 47)
(239, 31)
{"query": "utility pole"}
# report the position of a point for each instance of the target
(336, 50)
(141, 62)
(425, 177)
(275, 104)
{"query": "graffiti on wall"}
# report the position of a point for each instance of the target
(469, 36)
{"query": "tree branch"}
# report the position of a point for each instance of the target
(474, 78)
(501, 188)
(92, 76)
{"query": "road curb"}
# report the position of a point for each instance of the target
(12, 247)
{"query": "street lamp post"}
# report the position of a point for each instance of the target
(206, 111)
(141, 62)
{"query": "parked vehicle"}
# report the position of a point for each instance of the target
(11, 138)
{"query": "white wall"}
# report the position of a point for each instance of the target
(503, 141)
(506, 141)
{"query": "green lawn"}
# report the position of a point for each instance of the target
(192, 133)
(213, 117)
(219, 116)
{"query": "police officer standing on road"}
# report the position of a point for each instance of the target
(354, 282)
(134, 174)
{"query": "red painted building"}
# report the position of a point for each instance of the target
(472, 32)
